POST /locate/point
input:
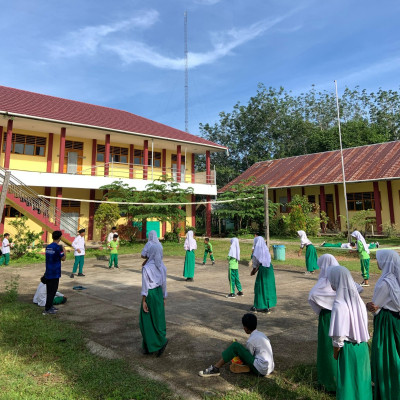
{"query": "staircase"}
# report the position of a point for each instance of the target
(38, 208)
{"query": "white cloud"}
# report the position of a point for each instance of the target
(88, 39)
(222, 44)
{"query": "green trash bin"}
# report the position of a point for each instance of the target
(279, 252)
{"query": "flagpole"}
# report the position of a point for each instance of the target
(341, 155)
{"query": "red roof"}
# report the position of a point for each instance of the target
(364, 163)
(69, 111)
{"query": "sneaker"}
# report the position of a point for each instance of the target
(72, 275)
(51, 311)
(116, 266)
(213, 263)
(239, 369)
(307, 273)
(203, 264)
(363, 284)
(253, 309)
(231, 295)
(162, 349)
(210, 371)
(80, 274)
(54, 308)
(240, 293)
(266, 311)
(189, 279)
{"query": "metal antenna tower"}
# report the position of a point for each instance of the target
(186, 76)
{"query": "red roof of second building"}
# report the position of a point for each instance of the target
(365, 163)
(54, 108)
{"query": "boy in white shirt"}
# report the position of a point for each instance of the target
(113, 232)
(257, 355)
(79, 252)
(5, 250)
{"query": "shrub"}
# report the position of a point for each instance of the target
(172, 236)
(127, 232)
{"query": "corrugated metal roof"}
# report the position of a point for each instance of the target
(364, 163)
(70, 111)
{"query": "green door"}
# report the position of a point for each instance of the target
(153, 226)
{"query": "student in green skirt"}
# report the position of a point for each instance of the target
(233, 271)
(311, 253)
(363, 252)
(321, 300)
(190, 246)
(349, 332)
(264, 287)
(385, 352)
(154, 292)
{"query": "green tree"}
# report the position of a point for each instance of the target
(106, 216)
(25, 241)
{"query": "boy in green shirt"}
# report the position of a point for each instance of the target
(208, 250)
(113, 246)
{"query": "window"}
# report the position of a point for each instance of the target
(283, 201)
(70, 203)
(11, 212)
(117, 154)
(360, 201)
(311, 198)
(70, 145)
(138, 157)
(26, 144)
(157, 159)
(329, 198)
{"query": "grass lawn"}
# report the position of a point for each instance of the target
(45, 358)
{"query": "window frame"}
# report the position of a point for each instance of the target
(29, 141)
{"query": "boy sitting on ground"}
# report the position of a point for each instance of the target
(257, 355)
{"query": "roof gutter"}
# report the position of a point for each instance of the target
(6, 113)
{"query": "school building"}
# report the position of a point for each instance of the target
(372, 175)
(67, 150)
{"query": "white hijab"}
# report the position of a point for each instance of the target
(360, 237)
(234, 250)
(152, 238)
(154, 266)
(261, 252)
(389, 263)
(304, 241)
(322, 295)
(349, 315)
(190, 242)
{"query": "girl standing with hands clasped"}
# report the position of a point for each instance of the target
(190, 246)
(264, 287)
(349, 332)
(385, 352)
(154, 292)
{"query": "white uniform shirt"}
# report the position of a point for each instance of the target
(110, 237)
(41, 293)
(5, 248)
(260, 347)
(79, 243)
(382, 296)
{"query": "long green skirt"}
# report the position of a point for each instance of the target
(311, 258)
(385, 356)
(152, 324)
(188, 269)
(264, 288)
(326, 364)
(354, 372)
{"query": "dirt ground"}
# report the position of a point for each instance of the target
(201, 321)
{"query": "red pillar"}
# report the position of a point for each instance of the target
(274, 195)
(58, 206)
(91, 214)
(378, 213)
(164, 162)
(337, 203)
(62, 151)
(289, 195)
(178, 163)
(50, 153)
(193, 211)
(208, 217)
(93, 170)
(131, 155)
(390, 198)
(208, 167)
(164, 228)
(47, 192)
(145, 161)
(144, 228)
(322, 201)
(8, 144)
(193, 170)
(303, 191)
(3, 216)
(107, 156)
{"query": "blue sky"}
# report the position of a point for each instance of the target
(128, 54)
